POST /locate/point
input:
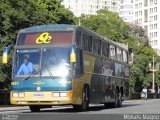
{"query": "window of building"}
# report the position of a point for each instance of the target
(155, 18)
(151, 2)
(155, 9)
(145, 15)
(145, 3)
(155, 34)
(136, 14)
(136, 6)
(155, 1)
(155, 26)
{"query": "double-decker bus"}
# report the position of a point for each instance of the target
(67, 65)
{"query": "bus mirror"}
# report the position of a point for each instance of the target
(72, 55)
(5, 54)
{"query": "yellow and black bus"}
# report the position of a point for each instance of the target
(67, 65)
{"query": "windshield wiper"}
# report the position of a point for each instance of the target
(49, 71)
(32, 75)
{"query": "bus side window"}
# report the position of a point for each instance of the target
(78, 38)
(125, 57)
(97, 46)
(112, 52)
(119, 55)
(105, 49)
(87, 42)
(79, 63)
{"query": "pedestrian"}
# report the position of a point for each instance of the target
(144, 93)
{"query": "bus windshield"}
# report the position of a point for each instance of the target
(55, 62)
(47, 62)
(27, 62)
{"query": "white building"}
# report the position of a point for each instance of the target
(90, 7)
(147, 15)
(140, 12)
(126, 10)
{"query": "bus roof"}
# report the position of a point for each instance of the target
(52, 27)
(67, 27)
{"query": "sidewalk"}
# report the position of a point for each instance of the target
(12, 107)
(141, 100)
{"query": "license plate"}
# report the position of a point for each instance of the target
(38, 94)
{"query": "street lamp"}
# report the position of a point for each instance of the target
(153, 67)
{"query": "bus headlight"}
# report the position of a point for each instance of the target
(63, 94)
(15, 95)
(55, 94)
(21, 94)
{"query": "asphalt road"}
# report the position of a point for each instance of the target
(135, 107)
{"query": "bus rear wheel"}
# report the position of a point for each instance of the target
(116, 102)
(34, 108)
(120, 100)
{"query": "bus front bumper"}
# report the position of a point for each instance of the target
(41, 98)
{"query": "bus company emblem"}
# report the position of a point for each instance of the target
(39, 83)
(44, 38)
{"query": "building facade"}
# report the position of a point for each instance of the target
(139, 12)
(90, 7)
(126, 10)
(146, 14)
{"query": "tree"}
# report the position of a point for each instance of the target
(19, 14)
(110, 25)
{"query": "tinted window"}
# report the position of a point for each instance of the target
(97, 47)
(87, 42)
(105, 49)
(79, 63)
(78, 38)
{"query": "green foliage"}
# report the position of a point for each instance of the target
(19, 14)
(110, 25)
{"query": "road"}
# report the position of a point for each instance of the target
(128, 107)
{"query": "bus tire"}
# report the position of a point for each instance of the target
(108, 105)
(34, 108)
(116, 102)
(85, 101)
(120, 99)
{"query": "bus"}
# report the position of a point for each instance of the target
(67, 65)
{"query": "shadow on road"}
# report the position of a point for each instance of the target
(91, 108)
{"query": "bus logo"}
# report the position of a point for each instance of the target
(39, 83)
(44, 38)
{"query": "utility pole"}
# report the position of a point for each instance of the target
(153, 82)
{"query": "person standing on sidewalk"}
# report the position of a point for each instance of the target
(144, 93)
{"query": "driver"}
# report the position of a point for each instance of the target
(26, 68)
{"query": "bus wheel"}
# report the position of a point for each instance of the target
(116, 102)
(34, 108)
(120, 100)
(85, 101)
(108, 105)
